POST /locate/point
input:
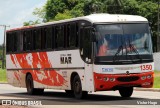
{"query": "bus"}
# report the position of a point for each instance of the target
(98, 52)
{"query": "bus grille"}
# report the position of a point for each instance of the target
(128, 79)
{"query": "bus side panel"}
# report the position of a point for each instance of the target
(49, 70)
(15, 77)
(75, 59)
(59, 68)
(34, 63)
(56, 59)
(14, 73)
(66, 85)
(50, 79)
(89, 77)
(76, 64)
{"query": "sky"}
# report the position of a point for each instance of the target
(14, 12)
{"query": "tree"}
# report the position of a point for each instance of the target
(61, 16)
(75, 8)
(31, 23)
(147, 9)
(64, 9)
(40, 12)
(52, 8)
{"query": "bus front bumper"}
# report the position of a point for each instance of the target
(116, 81)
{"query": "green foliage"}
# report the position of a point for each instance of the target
(1, 47)
(55, 10)
(53, 7)
(40, 12)
(1, 54)
(49, 11)
(3, 75)
(143, 8)
(68, 9)
(61, 16)
(31, 23)
(157, 80)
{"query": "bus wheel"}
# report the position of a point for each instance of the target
(126, 91)
(77, 88)
(30, 87)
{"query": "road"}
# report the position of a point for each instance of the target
(96, 100)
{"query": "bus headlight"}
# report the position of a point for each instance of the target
(105, 79)
(112, 79)
(149, 76)
(143, 77)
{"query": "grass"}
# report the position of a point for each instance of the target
(3, 76)
(156, 79)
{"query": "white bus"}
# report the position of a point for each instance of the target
(98, 52)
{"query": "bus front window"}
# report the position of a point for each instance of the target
(108, 45)
(123, 40)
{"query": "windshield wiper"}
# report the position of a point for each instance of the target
(117, 53)
(133, 49)
(120, 48)
(116, 57)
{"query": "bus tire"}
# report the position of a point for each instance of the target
(77, 88)
(30, 86)
(126, 91)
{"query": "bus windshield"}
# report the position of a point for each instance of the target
(123, 39)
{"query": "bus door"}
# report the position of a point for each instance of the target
(86, 53)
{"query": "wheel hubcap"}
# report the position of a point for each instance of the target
(77, 87)
(29, 85)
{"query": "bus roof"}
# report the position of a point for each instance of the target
(95, 18)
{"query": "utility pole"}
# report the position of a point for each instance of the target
(3, 55)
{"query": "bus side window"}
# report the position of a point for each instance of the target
(59, 37)
(8, 45)
(21, 41)
(48, 34)
(53, 37)
(24, 41)
(67, 35)
(43, 37)
(56, 36)
(27, 41)
(37, 39)
(17, 42)
(10, 42)
(14, 42)
(72, 35)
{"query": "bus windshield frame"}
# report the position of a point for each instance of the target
(124, 43)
